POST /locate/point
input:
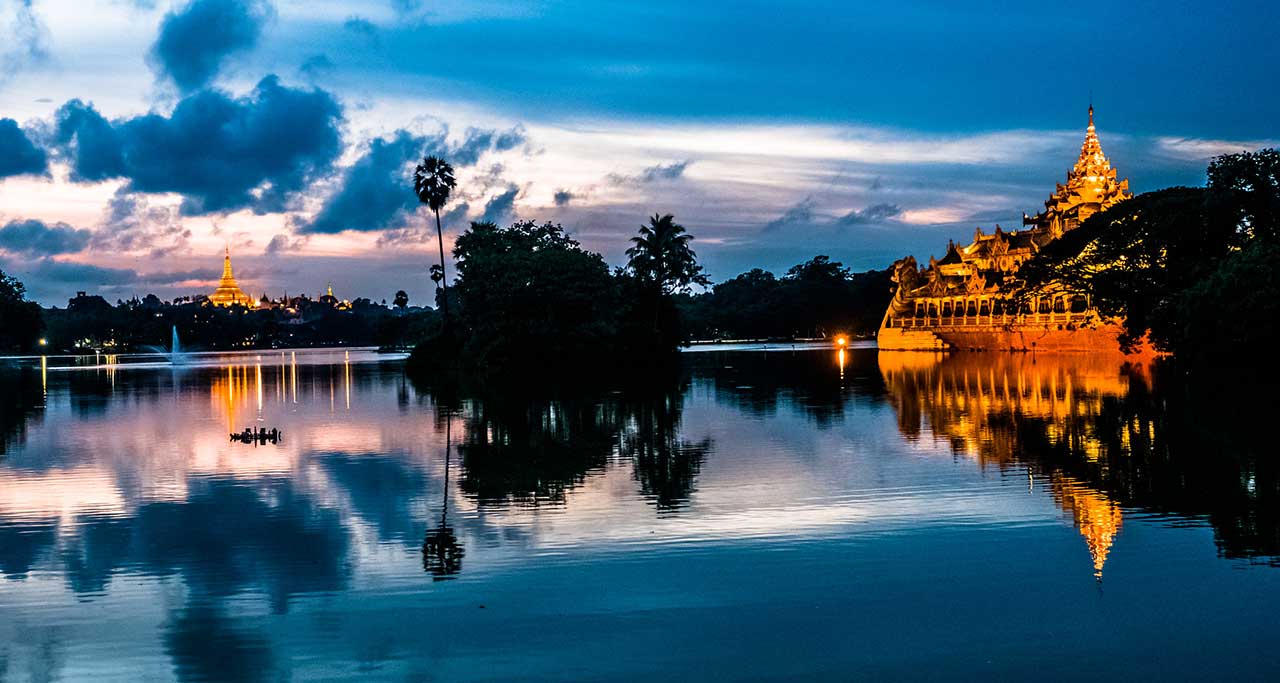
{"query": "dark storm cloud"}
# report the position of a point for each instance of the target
(876, 213)
(36, 238)
(563, 197)
(499, 207)
(376, 193)
(18, 154)
(196, 39)
(93, 146)
(221, 153)
(377, 189)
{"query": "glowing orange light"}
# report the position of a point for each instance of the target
(842, 340)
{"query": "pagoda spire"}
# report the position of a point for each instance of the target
(226, 266)
(228, 291)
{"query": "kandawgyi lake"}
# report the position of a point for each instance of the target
(786, 514)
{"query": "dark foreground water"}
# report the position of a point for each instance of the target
(807, 514)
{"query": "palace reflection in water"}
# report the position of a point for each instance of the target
(731, 507)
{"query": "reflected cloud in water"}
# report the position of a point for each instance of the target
(120, 487)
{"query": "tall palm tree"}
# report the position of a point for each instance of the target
(433, 182)
(660, 255)
(660, 258)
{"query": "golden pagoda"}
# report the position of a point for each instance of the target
(1091, 187)
(962, 300)
(228, 292)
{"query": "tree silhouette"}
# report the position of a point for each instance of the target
(402, 299)
(433, 182)
(660, 258)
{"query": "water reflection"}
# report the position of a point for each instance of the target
(441, 551)
(744, 489)
(1107, 434)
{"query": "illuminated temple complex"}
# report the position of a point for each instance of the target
(961, 300)
(228, 292)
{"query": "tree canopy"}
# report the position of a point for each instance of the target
(20, 320)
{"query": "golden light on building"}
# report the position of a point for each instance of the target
(963, 299)
(228, 292)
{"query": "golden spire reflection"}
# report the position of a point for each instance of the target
(1097, 518)
(1002, 410)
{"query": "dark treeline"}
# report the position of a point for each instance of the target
(815, 299)
(90, 323)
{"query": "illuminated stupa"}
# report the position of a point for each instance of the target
(228, 292)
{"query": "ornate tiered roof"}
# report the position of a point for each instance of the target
(228, 292)
(1091, 187)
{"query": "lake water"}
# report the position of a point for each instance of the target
(776, 514)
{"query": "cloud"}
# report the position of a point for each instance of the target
(18, 154)
(1201, 150)
(876, 213)
(406, 6)
(36, 238)
(92, 145)
(87, 275)
(82, 274)
(25, 42)
(667, 172)
(362, 27)
(378, 189)
(196, 39)
(315, 66)
(799, 214)
(659, 172)
(478, 141)
(562, 197)
(499, 207)
(281, 243)
(220, 153)
(425, 231)
(132, 224)
(376, 192)
(170, 277)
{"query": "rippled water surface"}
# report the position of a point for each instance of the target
(759, 515)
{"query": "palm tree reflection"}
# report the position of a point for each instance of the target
(441, 551)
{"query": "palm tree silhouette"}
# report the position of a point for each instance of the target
(433, 182)
(661, 258)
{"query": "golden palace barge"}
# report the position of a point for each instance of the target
(962, 300)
